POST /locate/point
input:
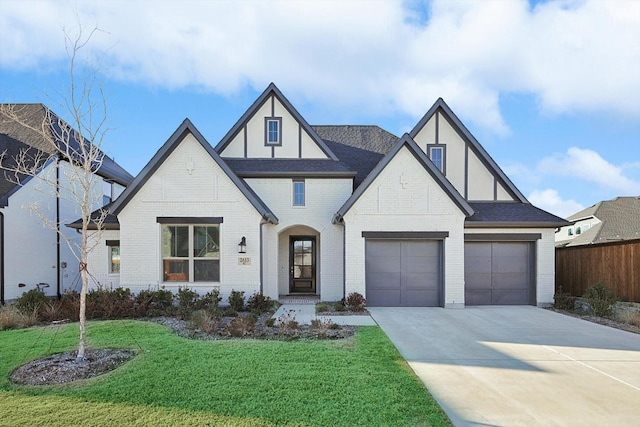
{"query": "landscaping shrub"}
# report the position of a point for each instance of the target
(70, 306)
(11, 317)
(321, 307)
(338, 306)
(355, 302)
(563, 300)
(259, 303)
(211, 300)
(288, 324)
(103, 303)
(241, 326)
(321, 327)
(51, 311)
(31, 301)
(205, 321)
(601, 299)
(236, 300)
(188, 301)
(155, 303)
(270, 322)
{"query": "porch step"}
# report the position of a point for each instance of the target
(299, 299)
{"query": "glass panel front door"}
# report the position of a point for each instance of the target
(302, 263)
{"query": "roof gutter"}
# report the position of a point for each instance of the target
(506, 224)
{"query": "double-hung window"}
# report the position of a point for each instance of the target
(273, 131)
(191, 253)
(298, 192)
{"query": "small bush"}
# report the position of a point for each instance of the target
(31, 301)
(103, 303)
(52, 311)
(205, 321)
(211, 300)
(563, 300)
(632, 317)
(70, 305)
(321, 327)
(241, 326)
(236, 300)
(188, 301)
(155, 303)
(338, 306)
(259, 303)
(288, 324)
(321, 307)
(355, 302)
(12, 318)
(270, 322)
(601, 299)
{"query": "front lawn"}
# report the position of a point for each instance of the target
(175, 381)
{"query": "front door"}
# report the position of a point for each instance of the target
(302, 264)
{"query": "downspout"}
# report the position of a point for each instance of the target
(261, 260)
(344, 259)
(1, 258)
(58, 261)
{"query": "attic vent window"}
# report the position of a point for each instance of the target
(273, 131)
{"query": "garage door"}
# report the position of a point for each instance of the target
(403, 273)
(499, 273)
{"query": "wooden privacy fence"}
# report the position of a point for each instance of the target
(616, 264)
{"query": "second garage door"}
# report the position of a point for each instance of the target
(403, 273)
(499, 273)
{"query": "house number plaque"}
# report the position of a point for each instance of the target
(244, 260)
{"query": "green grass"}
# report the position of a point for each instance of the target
(175, 381)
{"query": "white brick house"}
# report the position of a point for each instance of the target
(426, 219)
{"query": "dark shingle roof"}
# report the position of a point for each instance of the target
(36, 121)
(514, 214)
(247, 168)
(110, 221)
(360, 147)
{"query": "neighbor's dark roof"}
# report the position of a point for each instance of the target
(360, 147)
(248, 168)
(110, 221)
(511, 214)
(37, 128)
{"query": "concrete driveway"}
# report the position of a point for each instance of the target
(519, 366)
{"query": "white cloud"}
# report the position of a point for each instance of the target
(550, 201)
(589, 166)
(572, 55)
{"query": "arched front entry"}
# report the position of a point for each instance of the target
(299, 261)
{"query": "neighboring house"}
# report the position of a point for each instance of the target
(282, 207)
(31, 253)
(606, 221)
(601, 244)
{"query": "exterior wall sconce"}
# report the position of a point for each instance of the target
(242, 246)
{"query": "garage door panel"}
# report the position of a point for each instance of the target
(510, 297)
(403, 272)
(498, 273)
(384, 298)
(477, 297)
(388, 264)
(420, 297)
(511, 281)
(385, 281)
(477, 249)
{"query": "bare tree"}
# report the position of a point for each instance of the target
(73, 149)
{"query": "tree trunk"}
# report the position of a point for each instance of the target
(82, 343)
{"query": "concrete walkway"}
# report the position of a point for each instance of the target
(519, 366)
(304, 313)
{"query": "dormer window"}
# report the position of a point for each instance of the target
(273, 131)
(437, 156)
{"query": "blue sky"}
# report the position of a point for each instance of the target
(551, 89)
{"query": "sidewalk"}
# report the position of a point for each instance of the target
(305, 313)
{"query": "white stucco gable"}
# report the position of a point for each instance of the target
(273, 128)
(461, 158)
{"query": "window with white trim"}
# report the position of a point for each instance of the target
(437, 156)
(298, 192)
(190, 253)
(273, 131)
